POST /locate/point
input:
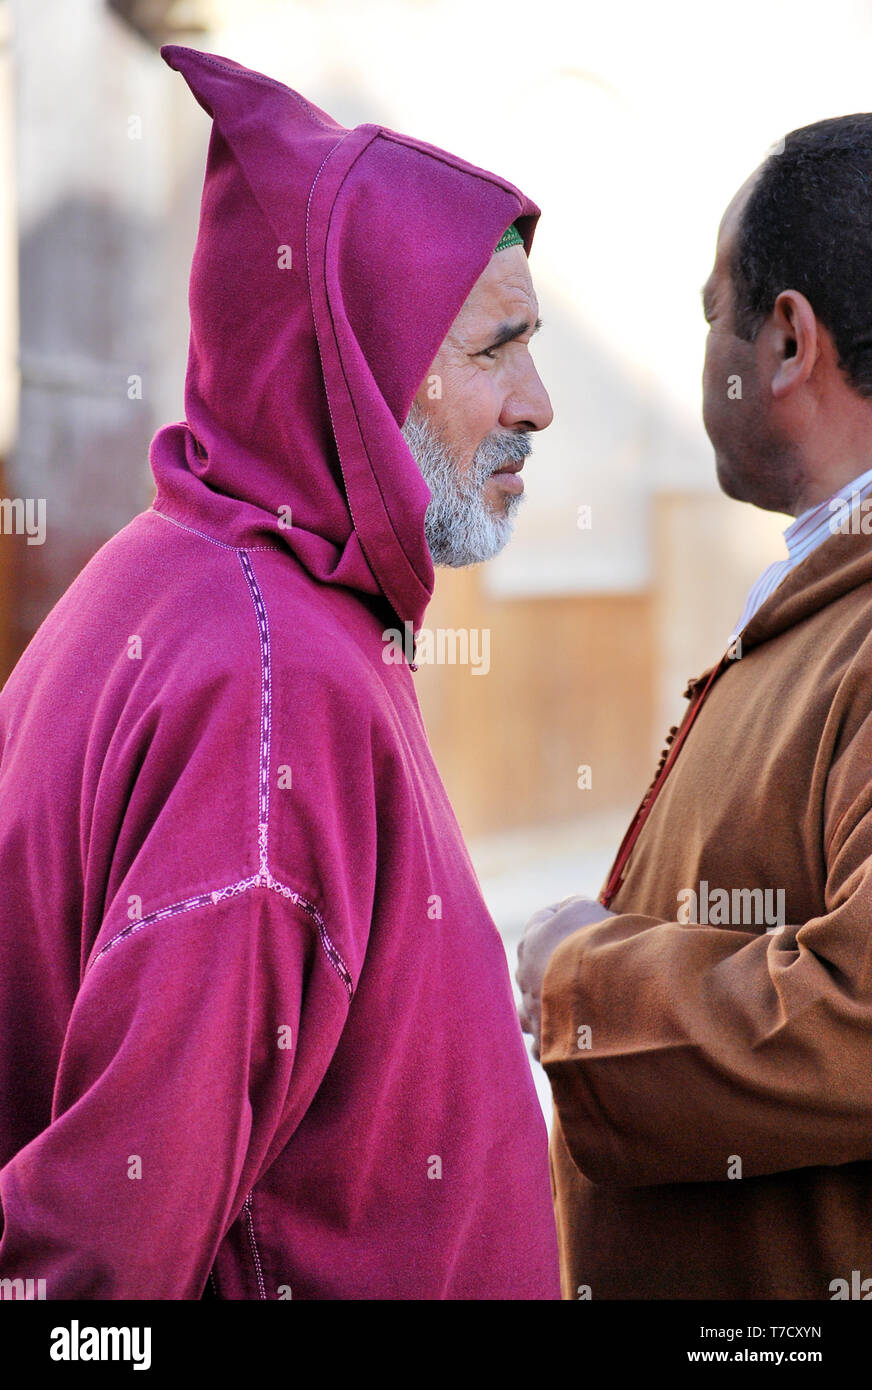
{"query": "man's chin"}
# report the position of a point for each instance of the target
(468, 558)
(462, 554)
(769, 493)
(729, 484)
(734, 484)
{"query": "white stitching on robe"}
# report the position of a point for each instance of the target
(264, 877)
(246, 1207)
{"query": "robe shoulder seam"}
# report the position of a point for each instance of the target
(204, 535)
(264, 878)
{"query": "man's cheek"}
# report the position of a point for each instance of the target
(708, 367)
(473, 410)
(714, 389)
(438, 387)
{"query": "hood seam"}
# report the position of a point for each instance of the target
(315, 319)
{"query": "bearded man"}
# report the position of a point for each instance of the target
(258, 1035)
(706, 1025)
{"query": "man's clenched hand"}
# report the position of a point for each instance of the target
(542, 935)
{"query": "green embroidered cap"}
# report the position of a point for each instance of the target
(510, 237)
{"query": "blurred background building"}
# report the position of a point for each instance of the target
(631, 125)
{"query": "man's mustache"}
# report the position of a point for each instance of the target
(498, 449)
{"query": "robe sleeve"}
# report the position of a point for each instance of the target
(184, 1069)
(709, 1044)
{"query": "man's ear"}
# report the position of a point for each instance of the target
(794, 338)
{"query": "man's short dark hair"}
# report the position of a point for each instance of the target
(807, 226)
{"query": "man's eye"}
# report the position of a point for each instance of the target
(490, 353)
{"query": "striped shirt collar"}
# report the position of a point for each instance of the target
(802, 536)
(807, 532)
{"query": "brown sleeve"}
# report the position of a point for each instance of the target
(709, 1044)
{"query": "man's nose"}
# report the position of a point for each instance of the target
(527, 405)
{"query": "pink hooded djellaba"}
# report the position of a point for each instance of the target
(257, 1035)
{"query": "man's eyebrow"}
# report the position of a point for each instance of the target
(505, 332)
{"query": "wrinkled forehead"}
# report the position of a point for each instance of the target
(504, 289)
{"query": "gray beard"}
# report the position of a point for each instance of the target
(459, 525)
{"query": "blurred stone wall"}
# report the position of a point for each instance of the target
(100, 356)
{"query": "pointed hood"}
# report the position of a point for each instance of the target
(329, 265)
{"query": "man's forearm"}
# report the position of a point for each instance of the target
(674, 1051)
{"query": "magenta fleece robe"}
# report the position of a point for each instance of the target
(257, 1037)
